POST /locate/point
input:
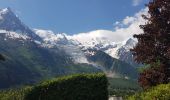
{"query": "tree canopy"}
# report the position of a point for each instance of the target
(153, 46)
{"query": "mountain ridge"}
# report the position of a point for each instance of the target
(44, 54)
(119, 50)
(9, 21)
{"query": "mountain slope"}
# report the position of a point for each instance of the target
(26, 62)
(28, 59)
(10, 22)
(93, 53)
(118, 50)
(112, 67)
(33, 55)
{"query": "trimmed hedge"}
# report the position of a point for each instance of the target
(74, 87)
(160, 92)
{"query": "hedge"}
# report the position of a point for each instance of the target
(160, 92)
(74, 87)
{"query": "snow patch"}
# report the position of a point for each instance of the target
(14, 35)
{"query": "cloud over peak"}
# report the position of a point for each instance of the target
(136, 2)
(123, 30)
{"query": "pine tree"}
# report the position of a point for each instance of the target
(154, 44)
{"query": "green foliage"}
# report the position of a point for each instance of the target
(73, 87)
(160, 92)
(143, 68)
(14, 94)
(122, 87)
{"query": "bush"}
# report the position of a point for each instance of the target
(74, 87)
(14, 94)
(160, 92)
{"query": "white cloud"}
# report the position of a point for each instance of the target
(123, 30)
(136, 2)
(128, 20)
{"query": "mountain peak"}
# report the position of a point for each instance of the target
(5, 11)
(10, 22)
(131, 42)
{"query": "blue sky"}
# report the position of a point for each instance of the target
(73, 16)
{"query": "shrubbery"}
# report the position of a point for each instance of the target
(160, 92)
(74, 87)
(14, 94)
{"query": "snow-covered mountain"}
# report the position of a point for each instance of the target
(41, 53)
(11, 25)
(118, 50)
(14, 35)
(27, 61)
(92, 52)
(52, 38)
(10, 22)
(14, 28)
